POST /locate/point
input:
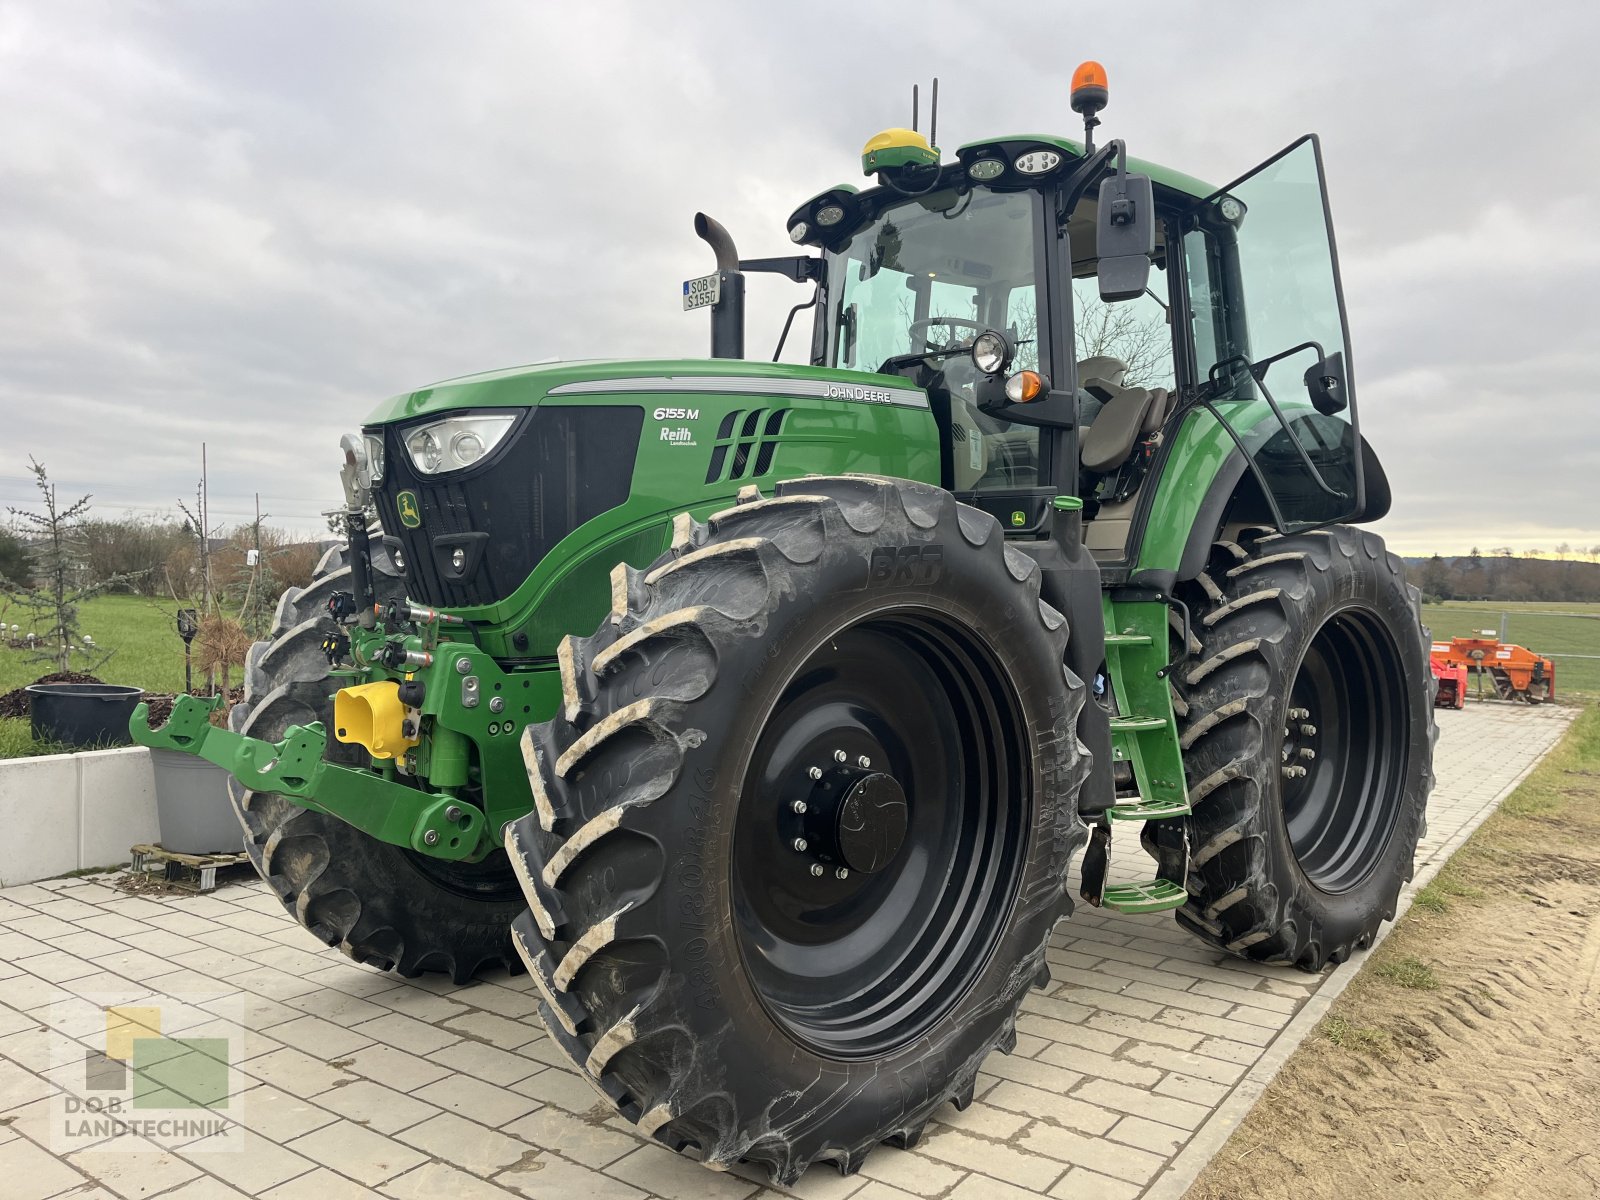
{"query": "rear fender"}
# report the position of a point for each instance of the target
(1234, 497)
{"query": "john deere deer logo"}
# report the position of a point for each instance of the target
(410, 510)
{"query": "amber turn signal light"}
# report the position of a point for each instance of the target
(1024, 387)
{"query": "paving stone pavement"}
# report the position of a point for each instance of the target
(360, 1084)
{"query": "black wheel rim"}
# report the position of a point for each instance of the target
(855, 963)
(1345, 748)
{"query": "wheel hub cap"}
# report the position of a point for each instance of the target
(858, 818)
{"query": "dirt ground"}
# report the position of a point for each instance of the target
(1464, 1060)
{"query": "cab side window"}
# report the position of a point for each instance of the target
(1135, 333)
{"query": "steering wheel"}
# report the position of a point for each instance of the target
(919, 329)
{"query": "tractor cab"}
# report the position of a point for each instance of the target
(1067, 310)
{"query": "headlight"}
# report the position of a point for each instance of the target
(1037, 162)
(456, 442)
(990, 352)
(375, 463)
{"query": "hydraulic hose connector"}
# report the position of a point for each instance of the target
(397, 657)
(400, 611)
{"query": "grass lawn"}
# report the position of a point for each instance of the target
(16, 740)
(149, 653)
(1532, 625)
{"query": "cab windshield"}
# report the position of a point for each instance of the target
(927, 275)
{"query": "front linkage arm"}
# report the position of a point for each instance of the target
(431, 823)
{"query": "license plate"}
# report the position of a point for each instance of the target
(702, 292)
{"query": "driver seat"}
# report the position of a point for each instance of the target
(1127, 415)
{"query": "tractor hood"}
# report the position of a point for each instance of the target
(521, 387)
(509, 491)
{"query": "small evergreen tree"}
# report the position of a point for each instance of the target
(60, 579)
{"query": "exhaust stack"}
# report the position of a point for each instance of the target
(727, 314)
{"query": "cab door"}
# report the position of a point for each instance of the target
(1270, 343)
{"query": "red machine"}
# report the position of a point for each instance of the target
(1516, 672)
(1452, 691)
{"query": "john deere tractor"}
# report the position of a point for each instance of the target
(763, 711)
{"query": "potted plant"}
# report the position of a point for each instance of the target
(79, 712)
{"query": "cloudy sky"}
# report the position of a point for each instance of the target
(244, 223)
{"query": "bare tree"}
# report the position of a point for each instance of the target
(1129, 333)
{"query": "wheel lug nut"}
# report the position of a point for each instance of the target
(799, 845)
(842, 873)
(799, 806)
(816, 869)
(863, 762)
(1294, 772)
(815, 772)
(840, 756)
(1309, 730)
(1308, 753)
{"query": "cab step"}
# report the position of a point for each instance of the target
(1156, 895)
(1149, 810)
(1144, 728)
(1127, 639)
(1137, 724)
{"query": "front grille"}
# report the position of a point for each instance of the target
(556, 469)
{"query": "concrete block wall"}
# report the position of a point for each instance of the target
(69, 812)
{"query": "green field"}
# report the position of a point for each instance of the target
(1537, 626)
(149, 653)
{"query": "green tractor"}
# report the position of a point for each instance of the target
(1056, 535)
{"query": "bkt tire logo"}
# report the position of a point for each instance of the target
(677, 414)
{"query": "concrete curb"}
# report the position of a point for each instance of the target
(69, 812)
(1181, 1173)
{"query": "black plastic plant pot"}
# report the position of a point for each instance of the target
(82, 715)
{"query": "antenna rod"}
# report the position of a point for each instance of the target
(933, 114)
(913, 108)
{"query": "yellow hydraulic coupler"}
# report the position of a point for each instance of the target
(371, 715)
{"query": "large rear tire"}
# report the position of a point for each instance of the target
(1308, 743)
(383, 905)
(802, 828)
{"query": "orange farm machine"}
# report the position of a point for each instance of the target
(1515, 672)
(1452, 691)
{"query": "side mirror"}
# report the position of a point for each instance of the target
(1125, 236)
(1325, 384)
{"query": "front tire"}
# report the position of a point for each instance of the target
(382, 905)
(1308, 744)
(803, 825)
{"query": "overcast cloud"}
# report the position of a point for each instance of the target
(246, 223)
